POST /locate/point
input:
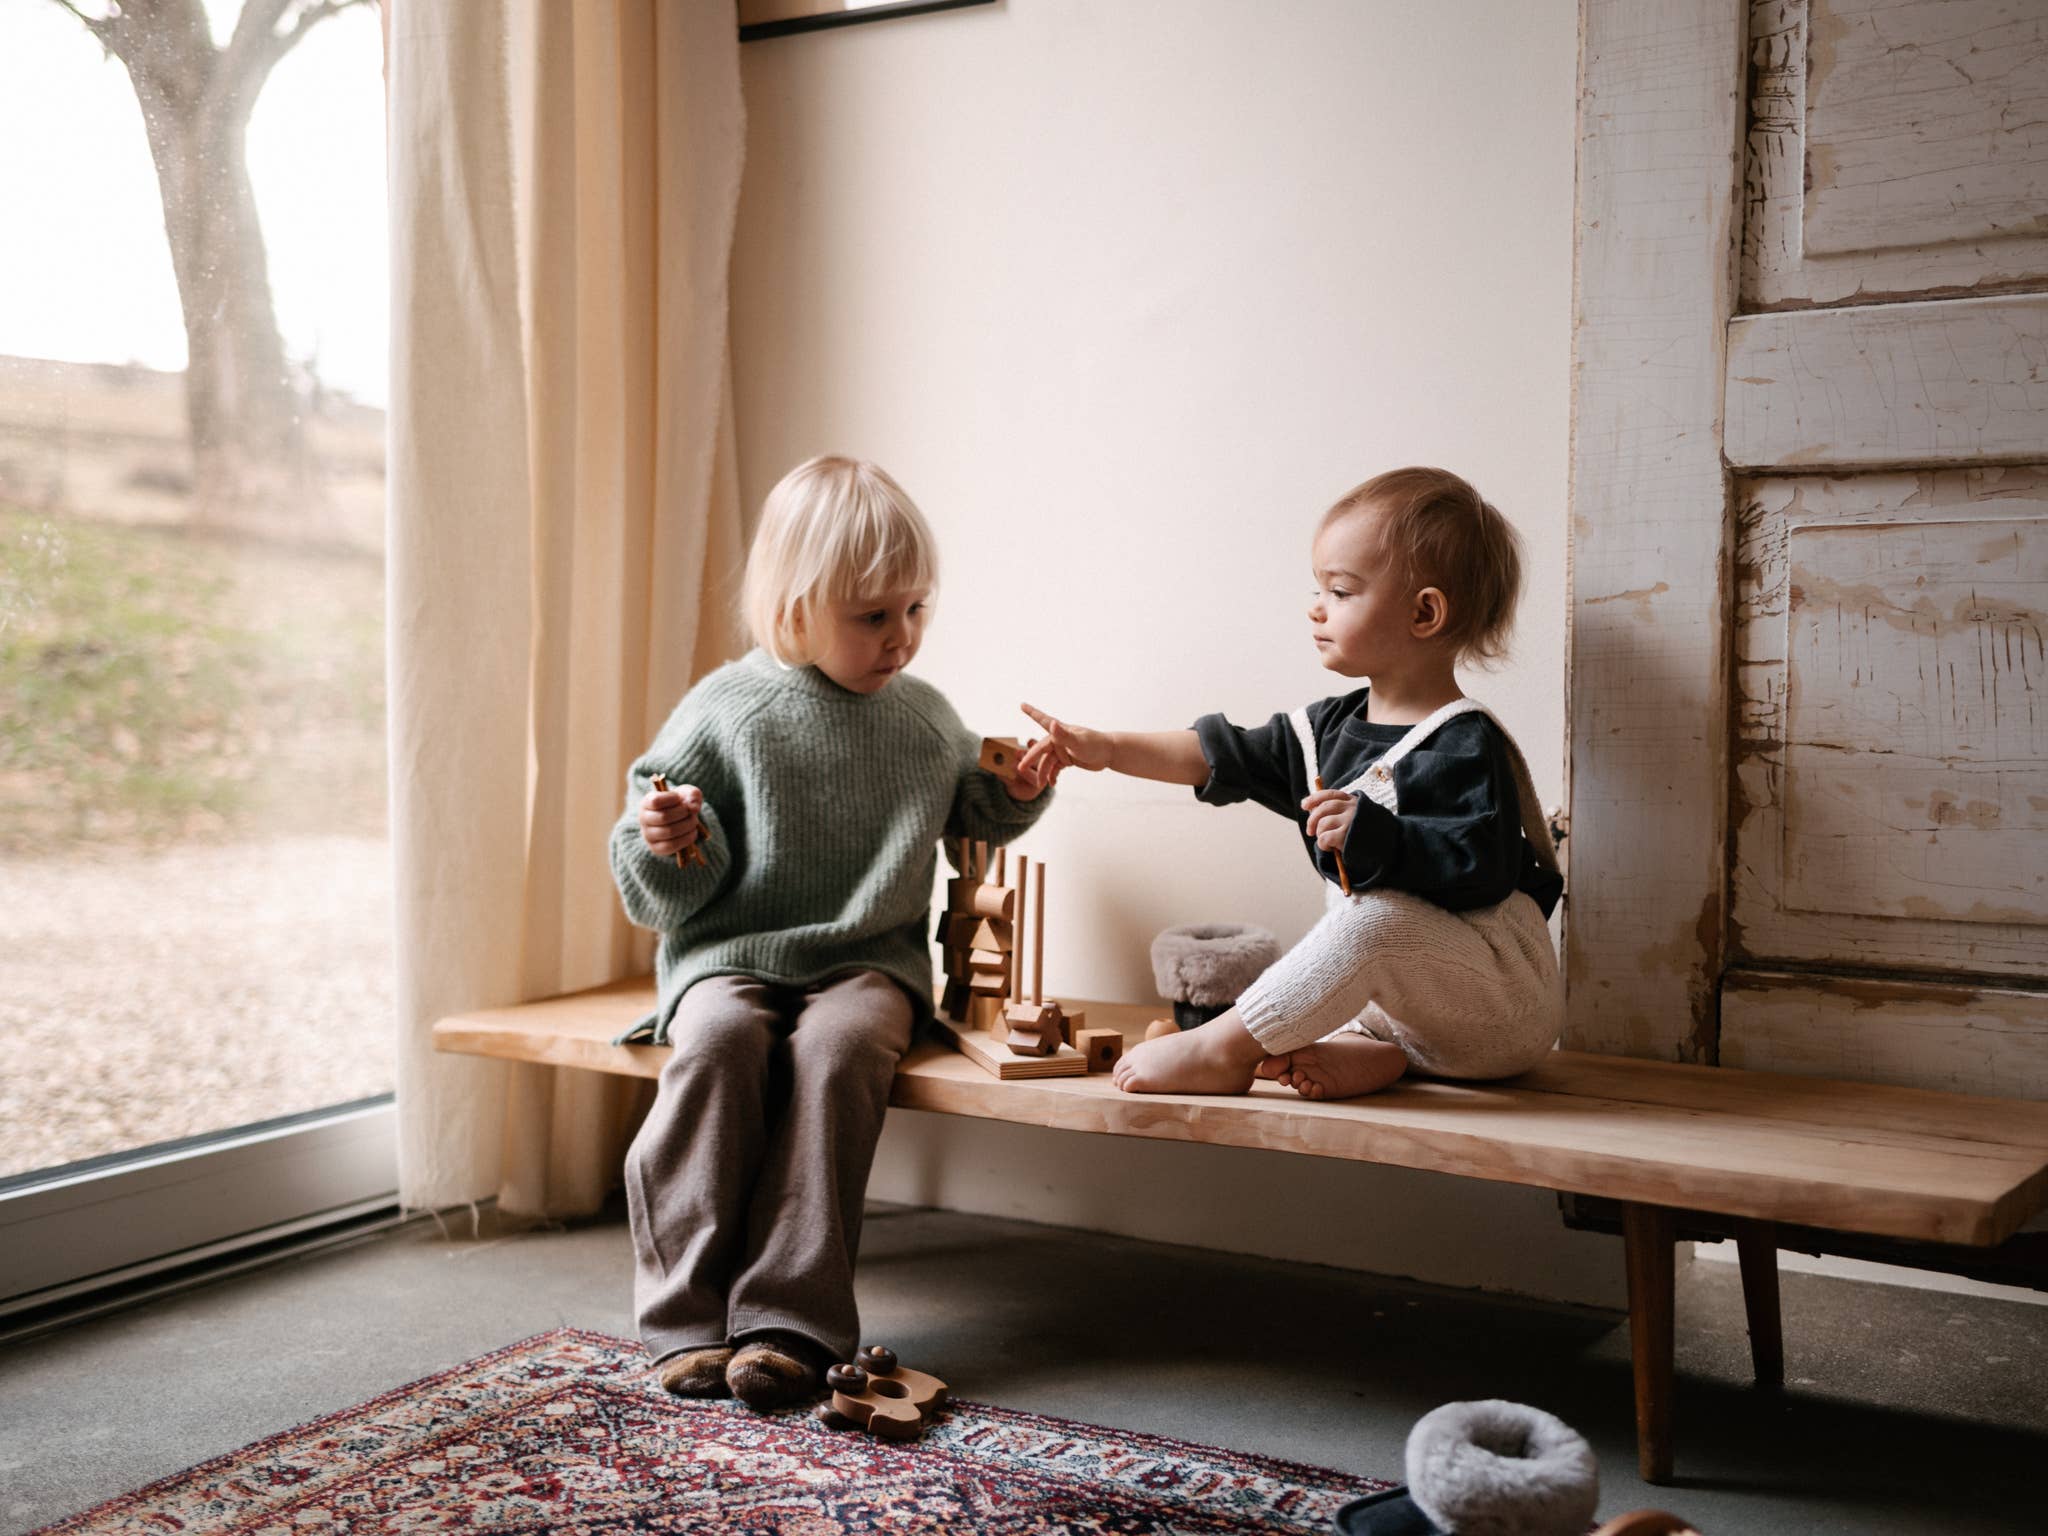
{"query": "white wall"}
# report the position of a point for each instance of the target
(1125, 292)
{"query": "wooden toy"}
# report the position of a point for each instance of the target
(1035, 1029)
(1100, 1048)
(982, 936)
(877, 1394)
(694, 854)
(1160, 1027)
(980, 898)
(999, 755)
(1342, 878)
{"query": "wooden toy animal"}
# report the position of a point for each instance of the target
(884, 1398)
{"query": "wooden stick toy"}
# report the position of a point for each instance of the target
(1342, 878)
(1037, 937)
(1017, 962)
(694, 854)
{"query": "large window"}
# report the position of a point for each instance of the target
(194, 886)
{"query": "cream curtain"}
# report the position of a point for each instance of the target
(564, 526)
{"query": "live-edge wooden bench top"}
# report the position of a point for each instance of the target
(1851, 1157)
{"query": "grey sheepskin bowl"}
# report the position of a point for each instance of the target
(1209, 964)
(1496, 1468)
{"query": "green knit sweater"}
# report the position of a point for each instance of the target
(823, 810)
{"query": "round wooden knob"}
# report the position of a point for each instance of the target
(850, 1379)
(1160, 1027)
(878, 1360)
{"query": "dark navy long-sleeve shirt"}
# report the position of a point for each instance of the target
(1457, 840)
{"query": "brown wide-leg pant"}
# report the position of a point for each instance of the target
(746, 1182)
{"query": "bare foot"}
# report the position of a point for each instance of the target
(1341, 1067)
(1217, 1057)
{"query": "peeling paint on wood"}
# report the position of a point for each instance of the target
(1891, 729)
(1659, 171)
(1947, 382)
(1859, 102)
(1956, 1037)
(1923, 123)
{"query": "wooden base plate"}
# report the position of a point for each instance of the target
(988, 1052)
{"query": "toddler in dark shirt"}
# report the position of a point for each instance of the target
(1414, 805)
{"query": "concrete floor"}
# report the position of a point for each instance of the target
(1908, 1411)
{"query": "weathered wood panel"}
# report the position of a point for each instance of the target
(1923, 123)
(1916, 760)
(1659, 163)
(1780, 268)
(1917, 729)
(1960, 1038)
(1960, 381)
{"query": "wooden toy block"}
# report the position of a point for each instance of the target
(983, 1013)
(1031, 1015)
(1072, 1022)
(999, 755)
(980, 899)
(1160, 1027)
(1100, 1048)
(1033, 1042)
(965, 930)
(953, 1002)
(877, 1394)
(989, 959)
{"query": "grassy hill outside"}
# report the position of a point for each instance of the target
(193, 837)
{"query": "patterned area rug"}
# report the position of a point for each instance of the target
(568, 1432)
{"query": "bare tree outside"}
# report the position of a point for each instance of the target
(243, 415)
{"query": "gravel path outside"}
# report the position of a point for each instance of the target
(154, 996)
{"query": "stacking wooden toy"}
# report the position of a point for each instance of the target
(876, 1394)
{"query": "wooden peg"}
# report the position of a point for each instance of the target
(1038, 936)
(1343, 879)
(1160, 1027)
(1002, 860)
(1023, 886)
(694, 854)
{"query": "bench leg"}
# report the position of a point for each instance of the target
(1647, 1232)
(1756, 1245)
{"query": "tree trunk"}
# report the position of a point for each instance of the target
(242, 412)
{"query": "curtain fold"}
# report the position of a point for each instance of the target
(564, 527)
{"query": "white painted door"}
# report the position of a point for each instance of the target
(1811, 539)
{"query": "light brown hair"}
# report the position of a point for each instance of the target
(1440, 532)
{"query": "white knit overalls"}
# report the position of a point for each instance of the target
(1463, 994)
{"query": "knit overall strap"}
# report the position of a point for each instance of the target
(1377, 782)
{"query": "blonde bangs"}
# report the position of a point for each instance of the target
(833, 530)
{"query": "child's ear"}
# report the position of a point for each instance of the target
(1432, 612)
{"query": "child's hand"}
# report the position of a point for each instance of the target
(668, 819)
(1063, 746)
(1329, 817)
(1032, 778)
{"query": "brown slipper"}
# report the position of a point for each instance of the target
(768, 1374)
(696, 1372)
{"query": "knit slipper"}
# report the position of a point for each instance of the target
(768, 1374)
(697, 1372)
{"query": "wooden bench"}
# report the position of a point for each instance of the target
(1758, 1156)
